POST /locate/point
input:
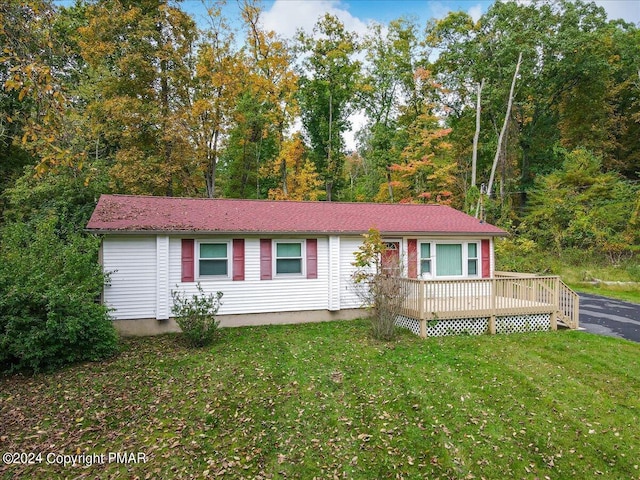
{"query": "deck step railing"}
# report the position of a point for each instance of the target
(569, 307)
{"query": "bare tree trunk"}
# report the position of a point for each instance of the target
(210, 173)
(476, 136)
(329, 184)
(283, 171)
(504, 127)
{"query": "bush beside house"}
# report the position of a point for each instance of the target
(50, 313)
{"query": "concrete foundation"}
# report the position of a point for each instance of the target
(151, 326)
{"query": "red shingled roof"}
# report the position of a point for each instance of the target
(124, 213)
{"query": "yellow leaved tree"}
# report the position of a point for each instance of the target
(297, 174)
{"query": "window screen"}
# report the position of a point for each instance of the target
(289, 258)
(213, 259)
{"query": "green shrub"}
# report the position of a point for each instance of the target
(520, 254)
(633, 269)
(49, 290)
(196, 315)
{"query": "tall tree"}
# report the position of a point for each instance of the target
(571, 91)
(388, 91)
(220, 71)
(35, 64)
(425, 171)
(266, 108)
(141, 54)
(328, 85)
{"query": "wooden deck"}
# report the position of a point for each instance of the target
(507, 294)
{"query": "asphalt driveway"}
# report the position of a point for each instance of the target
(606, 316)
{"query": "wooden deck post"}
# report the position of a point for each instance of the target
(554, 321)
(492, 317)
(422, 308)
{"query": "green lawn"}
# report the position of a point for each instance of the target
(620, 292)
(325, 401)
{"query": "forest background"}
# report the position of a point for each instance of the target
(136, 97)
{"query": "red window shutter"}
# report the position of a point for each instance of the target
(265, 259)
(486, 259)
(238, 258)
(187, 260)
(412, 254)
(312, 258)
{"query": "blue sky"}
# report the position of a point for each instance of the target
(285, 16)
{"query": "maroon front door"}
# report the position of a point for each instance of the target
(390, 261)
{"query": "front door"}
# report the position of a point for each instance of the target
(390, 261)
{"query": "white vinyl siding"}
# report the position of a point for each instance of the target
(144, 270)
(348, 291)
(162, 277)
(334, 298)
(131, 262)
(252, 295)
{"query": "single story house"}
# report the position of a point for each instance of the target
(274, 261)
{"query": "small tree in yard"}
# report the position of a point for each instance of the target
(196, 315)
(381, 289)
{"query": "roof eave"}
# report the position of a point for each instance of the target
(102, 231)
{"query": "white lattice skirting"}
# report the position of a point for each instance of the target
(478, 326)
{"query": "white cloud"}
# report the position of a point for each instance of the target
(439, 10)
(627, 10)
(475, 12)
(285, 17)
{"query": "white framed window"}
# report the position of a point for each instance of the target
(213, 259)
(289, 257)
(472, 259)
(449, 259)
(425, 259)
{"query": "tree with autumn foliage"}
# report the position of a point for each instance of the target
(37, 68)
(425, 172)
(266, 107)
(295, 173)
(575, 87)
(388, 88)
(219, 72)
(141, 57)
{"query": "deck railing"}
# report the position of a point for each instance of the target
(569, 306)
(504, 295)
(568, 300)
